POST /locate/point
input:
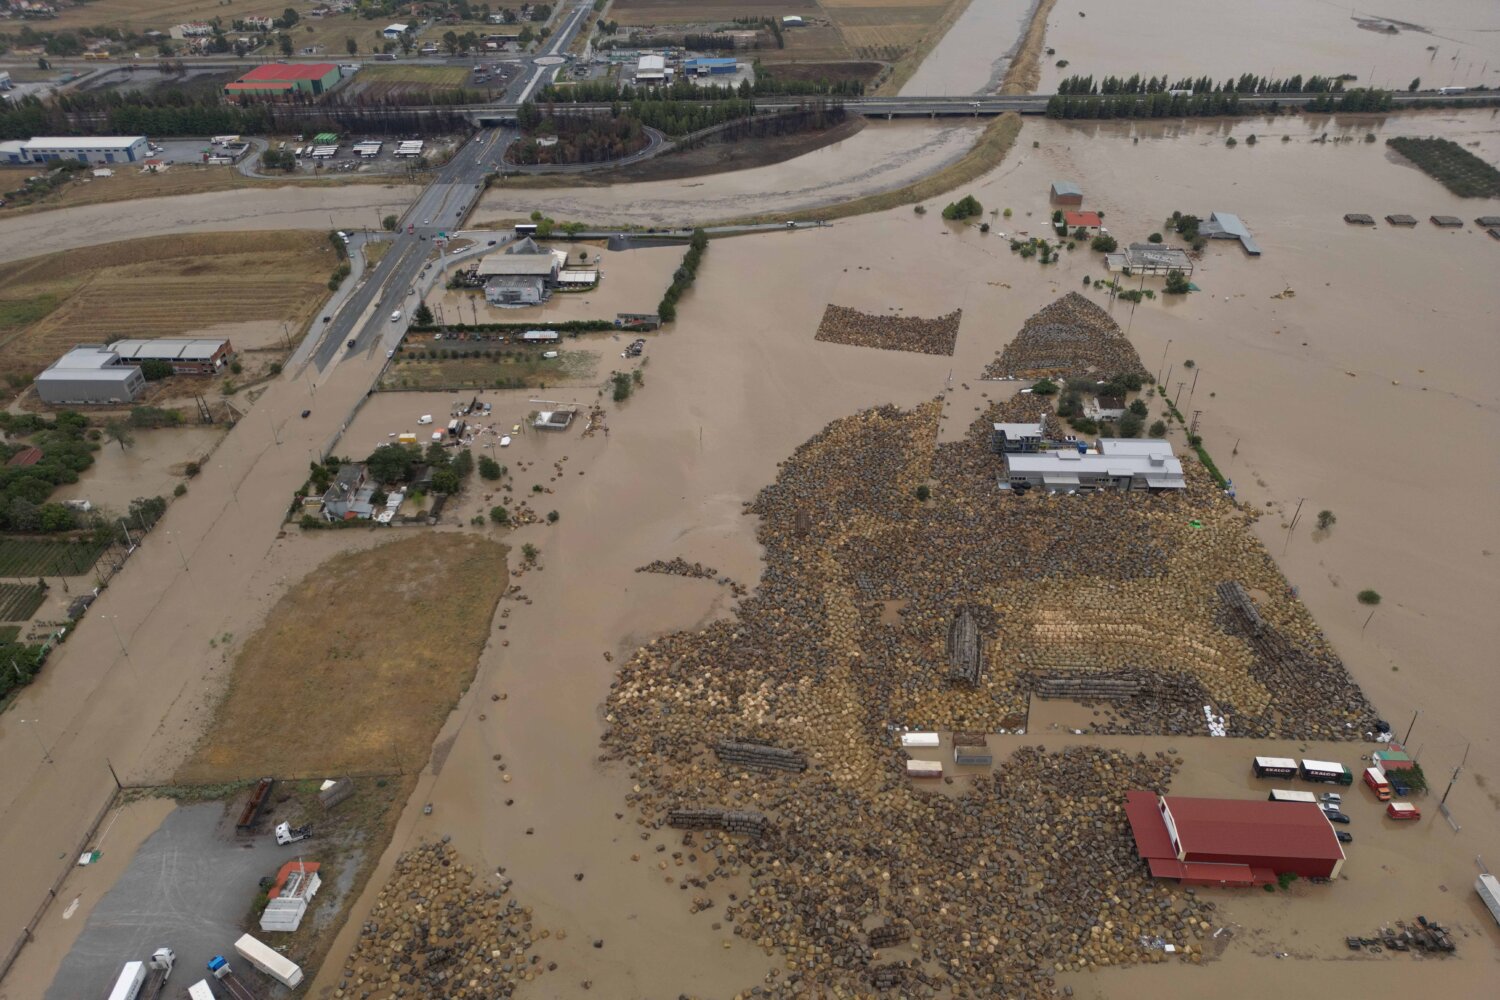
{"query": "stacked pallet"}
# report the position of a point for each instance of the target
(730, 820)
(749, 753)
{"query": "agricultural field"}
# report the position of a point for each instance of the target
(19, 601)
(494, 369)
(1457, 169)
(377, 81)
(156, 288)
(29, 558)
(637, 12)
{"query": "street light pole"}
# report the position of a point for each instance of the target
(178, 544)
(46, 755)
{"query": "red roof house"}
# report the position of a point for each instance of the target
(1088, 220)
(26, 456)
(1232, 841)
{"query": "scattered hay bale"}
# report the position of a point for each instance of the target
(842, 325)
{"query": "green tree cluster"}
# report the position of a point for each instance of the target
(25, 489)
(684, 276)
(965, 208)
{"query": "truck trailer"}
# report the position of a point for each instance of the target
(144, 980)
(1488, 887)
(268, 960)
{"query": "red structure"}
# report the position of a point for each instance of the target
(1088, 220)
(1232, 841)
(24, 457)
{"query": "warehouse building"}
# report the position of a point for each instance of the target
(705, 66)
(1231, 841)
(1066, 193)
(1150, 258)
(1124, 464)
(524, 275)
(1225, 226)
(651, 70)
(89, 373)
(186, 356)
(88, 149)
(285, 80)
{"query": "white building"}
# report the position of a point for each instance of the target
(394, 31)
(192, 29)
(651, 70)
(1016, 438)
(89, 373)
(1125, 464)
(87, 149)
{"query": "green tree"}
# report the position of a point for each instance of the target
(389, 223)
(450, 42)
(56, 517)
(552, 516)
(445, 481)
(1130, 425)
(1368, 597)
(153, 370)
(1326, 520)
(924, 492)
(1177, 283)
(490, 469)
(1044, 387)
(285, 43)
(1104, 243)
(391, 463)
(1415, 85)
(1154, 238)
(1159, 429)
(499, 515)
(622, 385)
(423, 315)
(1138, 407)
(529, 552)
(351, 45)
(119, 431)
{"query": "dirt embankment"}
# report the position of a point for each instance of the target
(1025, 72)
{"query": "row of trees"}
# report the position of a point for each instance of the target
(580, 138)
(684, 276)
(1247, 83)
(767, 84)
(1157, 105)
(396, 463)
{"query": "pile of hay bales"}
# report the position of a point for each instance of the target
(842, 325)
(1069, 338)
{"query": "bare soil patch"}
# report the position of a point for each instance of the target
(359, 664)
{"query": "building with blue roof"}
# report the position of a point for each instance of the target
(704, 66)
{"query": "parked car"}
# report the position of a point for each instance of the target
(306, 414)
(1332, 798)
(1334, 816)
(1345, 837)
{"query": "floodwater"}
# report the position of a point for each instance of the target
(976, 51)
(630, 281)
(1277, 38)
(355, 206)
(150, 467)
(880, 157)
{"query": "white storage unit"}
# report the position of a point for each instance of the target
(1488, 888)
(919, 739)
(268, 960)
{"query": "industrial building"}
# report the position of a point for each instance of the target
(186, 356)
(524, 275)
(651, 70)
(1016, 438)
(1225, 226)
(1150, 258)
(286, 80)
(87, 149)
(1125, 464)
(1066, 193)
(393, 32)
(89, 373)
(1232, 841)
(704, 66)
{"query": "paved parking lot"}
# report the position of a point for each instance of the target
(188, 888)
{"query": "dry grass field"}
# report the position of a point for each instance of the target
(370, 652)
(156, 287)
(381, 80)
(523, 368)
(635, 12)
(161, 15)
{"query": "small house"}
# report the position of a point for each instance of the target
(1066, 193)
(1089, 222)
(393, 32)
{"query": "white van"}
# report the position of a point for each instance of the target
(396, 316)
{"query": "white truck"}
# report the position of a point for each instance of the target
(268, 960)
(144, 980)
(1488, 887)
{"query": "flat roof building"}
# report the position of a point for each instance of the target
(1124, 464)
(1150, 258)
(87, 149)
(89, 373)
(1231, 841)
(704, 66)
(515, 290)
(1226, 226)
(395, 30)
(1066, 193)
(285, 80)
(186, 356)
(1016, 438)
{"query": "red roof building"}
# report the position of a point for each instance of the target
(26, 456)
(1232, 841)
(273, 79)
(1088, 220)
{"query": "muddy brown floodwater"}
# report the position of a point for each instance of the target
(974, 54)
(1276, 38)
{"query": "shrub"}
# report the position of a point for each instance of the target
(1326, 520)
(1154, 238)
(1138, 407)
(490, 469)
(1369, 597)
(965, 208)
(919, 209)
(1104, 243)
(1177, 283)
(923, 492)
(1159, 429)
(499, 515)
(552, 516)
(529, 552)
(1045, 387)
(179, 489)
(191, 469)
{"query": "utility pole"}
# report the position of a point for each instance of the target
(1179, 393)
(1193, 428)
(1456, 772)
(1163, 363)
(46, 755)
(1195, 385)
(1293, 525)
(1410, 725)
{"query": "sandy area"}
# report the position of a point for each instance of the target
(1275, 38)
(882, 156)
(356, 206)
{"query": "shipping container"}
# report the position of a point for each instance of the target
(1283, 795)
(1274, 767)
(1488, 888)
(919, 739)
(268, 960)
(924, 769)
(128, 985)
(1402, 810)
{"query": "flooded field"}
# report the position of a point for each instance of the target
(150, 467)
(882, 156)
(1445, 42)
(974, 54)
